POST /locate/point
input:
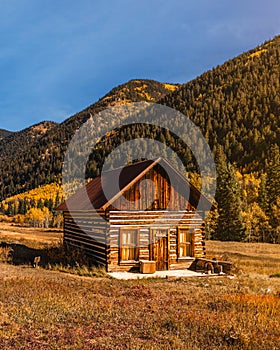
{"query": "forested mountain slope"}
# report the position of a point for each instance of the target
(4, 133)
(20, 141)
(29, 159)
(237, 105)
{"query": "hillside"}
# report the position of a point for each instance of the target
(4, 133)
(237, 105)
(31, 159)
(16, 142)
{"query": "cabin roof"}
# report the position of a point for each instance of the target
(92, 195)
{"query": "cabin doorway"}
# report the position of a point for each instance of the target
(159, 248)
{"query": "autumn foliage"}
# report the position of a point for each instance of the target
(36, 207)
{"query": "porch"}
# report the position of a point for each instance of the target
(172, 274)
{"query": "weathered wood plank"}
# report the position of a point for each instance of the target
(101, 259)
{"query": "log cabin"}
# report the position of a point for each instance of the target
(147, 221)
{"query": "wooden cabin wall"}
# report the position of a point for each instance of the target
(87, 230)
(147, 220)
(113, 263)
(158, 195)
(198, 245)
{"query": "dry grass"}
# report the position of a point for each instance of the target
(248, 258)
(42, 309)
(30, 235)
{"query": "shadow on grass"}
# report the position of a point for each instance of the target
(21, 254)
(62, 258)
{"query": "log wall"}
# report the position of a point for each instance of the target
(87, 230)
(100, 239)
(145, 221)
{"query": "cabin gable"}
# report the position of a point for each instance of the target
(153, 191)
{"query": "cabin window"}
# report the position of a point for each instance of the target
(129, 244)
(185, 247)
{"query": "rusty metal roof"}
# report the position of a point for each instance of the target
(92, 195)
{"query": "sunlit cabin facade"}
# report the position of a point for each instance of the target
(154, 221)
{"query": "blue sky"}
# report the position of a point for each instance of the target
(57, 57)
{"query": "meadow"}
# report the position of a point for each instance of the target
(47, 309)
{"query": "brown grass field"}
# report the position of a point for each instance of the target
(47, 309)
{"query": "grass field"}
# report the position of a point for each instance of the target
(45, 309)
(34, 237)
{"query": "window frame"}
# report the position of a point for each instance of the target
(186, 243)
(136, 247)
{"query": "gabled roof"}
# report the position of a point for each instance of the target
(92, 194)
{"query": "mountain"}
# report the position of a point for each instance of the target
(236, 105)
(21, 141)
(4, 133)
(30, 158)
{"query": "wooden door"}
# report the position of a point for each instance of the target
(159, 248)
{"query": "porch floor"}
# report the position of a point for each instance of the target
(158, 274)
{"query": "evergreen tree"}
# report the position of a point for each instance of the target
(21, 207)
(273, 174)
(10, 210)
(262, 197)
(57, 200)
(211, 222)
(40, 204)
(230, 226)
(273, 191)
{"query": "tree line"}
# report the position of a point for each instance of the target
(36, 207)
(248, 205)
